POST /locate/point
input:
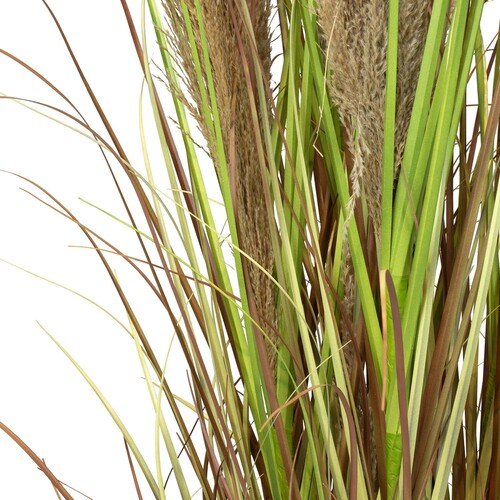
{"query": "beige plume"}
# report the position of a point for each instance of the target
(233, 107)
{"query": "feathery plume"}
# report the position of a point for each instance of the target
(355, 39)
(238, 135)
(414, 16)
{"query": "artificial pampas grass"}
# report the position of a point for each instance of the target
(361, 208)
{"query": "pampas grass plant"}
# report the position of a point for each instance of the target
(342, 340)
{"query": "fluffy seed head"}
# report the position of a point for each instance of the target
(355, 41)
(233, 107)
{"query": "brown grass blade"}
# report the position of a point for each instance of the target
(401, 382)
(132, 471)
(38, 461)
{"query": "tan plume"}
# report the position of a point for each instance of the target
(355, 40)
(224, 41)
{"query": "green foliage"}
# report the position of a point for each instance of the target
(359, 384)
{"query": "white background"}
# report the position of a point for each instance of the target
(42, 397)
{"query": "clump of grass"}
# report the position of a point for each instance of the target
(333, 339)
